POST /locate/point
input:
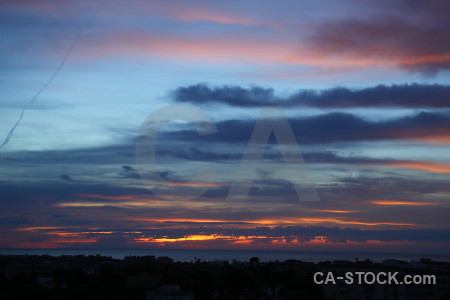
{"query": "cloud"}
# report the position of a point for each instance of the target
(204, 48)
(76, 208)
(405, 34)
(193, 237)
(36, 194)
(129, 172)
(393, 202)
(337, 127)
(119, 154)
(66, 178)
(232, 95)
(12, 221)
(417, 165)
(368, 187)
(406, 95)
(410, 34)
(196, 12)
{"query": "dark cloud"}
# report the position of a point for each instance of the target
(38, 194)
(40, 201)
(229, 142)
(232, 95)
(388, 186)
(129, 172)
(127, 168)
(406, 95)
(333, 128)
(66, 178)
(413, 35)
(121, 154)
(114, 155)
(14, 221)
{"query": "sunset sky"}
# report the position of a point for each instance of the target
(364, 86)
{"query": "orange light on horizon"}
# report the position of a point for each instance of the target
(232, 239)
(187, 238)
(171, 240)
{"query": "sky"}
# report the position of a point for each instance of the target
(278, 125)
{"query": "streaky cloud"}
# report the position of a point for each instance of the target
(397, 95)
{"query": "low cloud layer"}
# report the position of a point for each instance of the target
(338, 127)
(381, 96)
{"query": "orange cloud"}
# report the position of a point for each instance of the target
(134, 201)
(124, 197)
(337, 211)
(430, 58)
(186, 238)
(323, 44)
(83, 204)
(194, 15)
(297, 221)
(422, 166)
(213, 12)
(39, 245)
(437, 136)
(208, 49)
(55, 243)
(186, 220)
(231, 239)
(192, 184)
(259, 242)
(436, 139)
(128, 204)
(74, 241)
(280, 221)
(77, 234)
(35, 228)
(407, 203)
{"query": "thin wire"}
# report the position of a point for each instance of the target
(36, 95)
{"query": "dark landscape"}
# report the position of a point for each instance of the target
(150, 277)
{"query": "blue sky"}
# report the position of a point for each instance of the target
(363, 84)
